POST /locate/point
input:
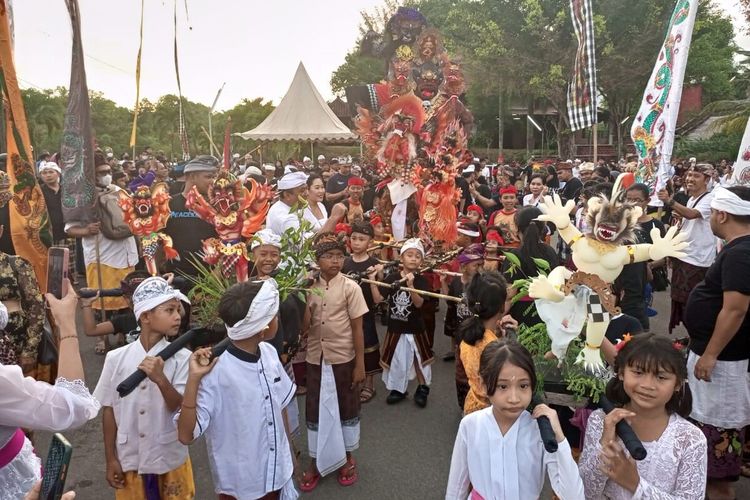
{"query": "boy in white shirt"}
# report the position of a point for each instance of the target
(239, 400)
(144, 458)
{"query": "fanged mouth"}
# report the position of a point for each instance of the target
(606, 232)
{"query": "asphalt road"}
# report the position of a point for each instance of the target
(404, 451)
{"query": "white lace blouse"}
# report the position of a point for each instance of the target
(27, 403)
(674, 467)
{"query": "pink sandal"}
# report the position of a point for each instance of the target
(348, 473)
(309, 481)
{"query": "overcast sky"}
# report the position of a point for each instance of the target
(252, 45)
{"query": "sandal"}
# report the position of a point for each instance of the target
(309, 481)
(348, 473)
(366, 394)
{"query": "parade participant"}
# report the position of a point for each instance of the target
(470, 261)
(144, 458)
(475, 214)
(359, 262)
(315, 211)
(270, 172)
(239, 400)
(689, 270)
(121, 323)
(537, 190)
(486, 293)
(337, 186)
(335, 367)
(406, 351)
(353, 204)
(498, 451)
(573, 185)
(109, 249)
(532, 247)
(717, 320)
(505, 217)
(651, 392)
(282, 214)
(184, 226)
(29, 404)
(585, 171)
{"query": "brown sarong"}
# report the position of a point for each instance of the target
(391, 341)
(348, 397)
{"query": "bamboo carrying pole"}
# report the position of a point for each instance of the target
(420, 292)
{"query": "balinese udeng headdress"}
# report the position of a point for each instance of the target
(412, 243)
(265, 237)
(263, 308)
(725, 200)
(327, 241)
(153, 292)
(472, 253)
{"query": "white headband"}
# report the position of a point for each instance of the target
(292, 180)
(726, 201)
(467, 232)
(153, 292)
(49, 165)
(265, 237)
(262, 310)
(414, 243)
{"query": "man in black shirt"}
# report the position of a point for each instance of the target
(573, 185)
(336, 188)
(717, 320)
(186, 229)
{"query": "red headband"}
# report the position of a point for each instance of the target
(376, 220)
(356, 181)
(343, 228)
(475, 208)
(495, 236)
(509, 190)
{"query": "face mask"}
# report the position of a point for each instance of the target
(105, 180)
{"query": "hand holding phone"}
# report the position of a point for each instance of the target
(56, 468)
(57, 271)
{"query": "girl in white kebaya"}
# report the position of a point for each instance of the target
(651, 393)
(499, 453)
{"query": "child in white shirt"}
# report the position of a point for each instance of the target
(144, 457)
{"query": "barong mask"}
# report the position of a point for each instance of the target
(224, 193)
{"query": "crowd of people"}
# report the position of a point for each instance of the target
(690, 411)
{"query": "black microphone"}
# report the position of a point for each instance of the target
(129, 384)
(545, 428)
(625, 432)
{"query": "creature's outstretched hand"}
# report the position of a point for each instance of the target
(669, 246)
(555, 212)
(542, 288)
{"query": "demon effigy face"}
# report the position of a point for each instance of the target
(612, 221)
(453, 77)
(142, 201)
(406, 25)
(429, 45)
(224, 193)
(428, 79)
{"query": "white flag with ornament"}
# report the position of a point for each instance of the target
(741, 171)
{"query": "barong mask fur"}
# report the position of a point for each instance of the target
(612, 221)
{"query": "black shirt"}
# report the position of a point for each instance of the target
(337, 183)
(730, 272)
(403, 315)
(187, 231)
(463, 185)
(572, 190)
(456, 312)
(620, 325)
(350, 266)
(53, 201)
(124, 322)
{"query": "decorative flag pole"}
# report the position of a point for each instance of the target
(582, 95)
(137, 84)
(653, 129)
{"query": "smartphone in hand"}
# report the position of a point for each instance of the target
(56, 468)
(57, 271)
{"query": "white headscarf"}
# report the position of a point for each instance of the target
(726, 201)
(415, 243)
(49, 165)
(266, 237)
(153, 292)
(261, 312)
(292, 180)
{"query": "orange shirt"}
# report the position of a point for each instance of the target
(470, 355)
(331, 313)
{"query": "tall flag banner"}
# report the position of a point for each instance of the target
(741, 172)
(27, 212)
(227, 156)
(654, 126)
(137, 82)
(582, 90)
(182, 128)
(77, 148)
